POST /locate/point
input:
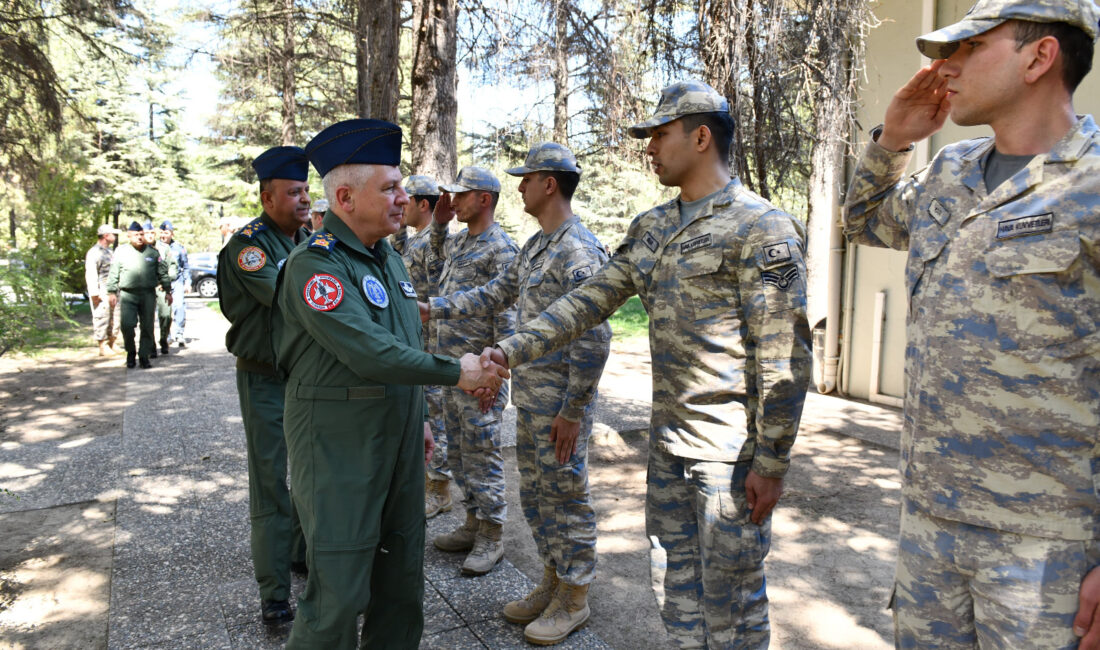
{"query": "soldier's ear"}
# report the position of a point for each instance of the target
(343, 198)
(703, 137)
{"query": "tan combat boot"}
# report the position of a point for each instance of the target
(567, 611)
(459, 539)
(437, 497)
(104, 350)
(487, 551)
(526, 610)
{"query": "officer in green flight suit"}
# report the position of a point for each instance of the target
(247, 269)
(136, 271)
(347, 334)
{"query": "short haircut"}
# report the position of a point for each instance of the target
(496, 197)
(720, 124)
(567, 181)
(353, 176)
(265, 185)
(1075, 44)
(432, 199)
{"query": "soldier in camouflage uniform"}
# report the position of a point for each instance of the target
(164, 309)
(424, 268)
(97, 267)
(317, 214)
(721, 274)
(181, 280)
(1000, 522)
(554, 395)
(472, 258)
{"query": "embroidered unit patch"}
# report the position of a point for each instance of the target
(582, 273)
(325, 241)
(323, 292)
(407, 288)
(650, 241)
(938, 212)
(777, 252)
(251, 259)
(375, 292)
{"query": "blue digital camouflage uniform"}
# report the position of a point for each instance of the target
(554, 496)
(164, 310)
(473, 438)
(179, 285)
(725, 293)
(1000, 459)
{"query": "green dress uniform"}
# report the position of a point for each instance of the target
(347, 334)
(134, 276)
(247, 269)
(164, 310)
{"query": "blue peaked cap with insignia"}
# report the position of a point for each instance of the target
(355, 142)
(282, 162)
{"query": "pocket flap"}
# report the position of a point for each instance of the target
(699, 264)
(1051, 253)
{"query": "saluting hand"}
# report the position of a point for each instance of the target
(444, 211)
(918, 109)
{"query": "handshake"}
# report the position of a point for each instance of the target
(482, 375)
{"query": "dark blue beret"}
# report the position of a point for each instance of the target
(362, 141)
(135, 227)
(282, 162)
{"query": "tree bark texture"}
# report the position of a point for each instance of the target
(290, 107)
(434, 114)
(377, 39)
(560, 72)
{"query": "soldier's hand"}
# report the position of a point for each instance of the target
(95, 301)
(429, 444)
(918, 109)
(113, 299)
(425, 312)
(563, 433)
(762, 494)
(476, 375)
(1086, 624)
(493, 355)
(168, 297)
(444, 211)
(485, 399)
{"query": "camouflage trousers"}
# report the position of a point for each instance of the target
(438, 468)
(555, 498)
(106, 320)
(706, 556)
(964, 586)
(474, 452)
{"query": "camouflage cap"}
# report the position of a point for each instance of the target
(421, 185)
(680, 99)
(987, 14)
(320, 205)
(473, 178)
(547, 157)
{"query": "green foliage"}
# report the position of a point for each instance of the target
(59, 231)
(30, 299)
(630, 321)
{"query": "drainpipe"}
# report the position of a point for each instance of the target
(879, 324)
(832, 310)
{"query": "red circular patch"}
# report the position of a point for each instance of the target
(323, 292)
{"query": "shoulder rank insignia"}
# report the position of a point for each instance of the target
(251, 228)
(324, 240)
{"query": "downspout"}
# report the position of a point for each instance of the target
(832, 311)
(879, 324)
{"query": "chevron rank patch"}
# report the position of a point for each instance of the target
(782, 279)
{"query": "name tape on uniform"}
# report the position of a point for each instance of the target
(1033, 225)
(695, 244)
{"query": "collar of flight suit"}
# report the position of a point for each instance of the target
(342, 232)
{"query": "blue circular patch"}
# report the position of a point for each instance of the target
(375, 292)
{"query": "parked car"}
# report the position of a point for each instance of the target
(204, 274)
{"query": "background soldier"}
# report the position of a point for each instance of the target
(97, 268)
(136, 271)
(472, 258)
(247, 269)
(164, 309)
(720, 272)
(348, 338)
(1000, 521)
(180, 284)
(317, 214)
(424, 270)
(554, 395)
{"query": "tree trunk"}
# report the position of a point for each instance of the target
(290, 107)
(433, 124)
(377, 39)
(560, 73)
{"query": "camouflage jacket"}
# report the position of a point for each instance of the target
(564, 381)
(97, 268)
(1002, 405)
(726, 299)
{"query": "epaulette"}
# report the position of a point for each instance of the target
(253, 227)
(323, 240)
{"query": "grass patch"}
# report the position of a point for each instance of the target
(71, 334)
(630, 321)
(213, 304)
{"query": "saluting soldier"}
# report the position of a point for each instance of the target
(721, 274)
(97, 269)
(348, 337)
(472, 258)
(554, 395)
(247, 268)
(136, 272)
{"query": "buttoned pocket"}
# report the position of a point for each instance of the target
(707, 291)
(926, 242)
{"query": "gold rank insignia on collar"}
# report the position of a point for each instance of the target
(253, 227)
(323, 240)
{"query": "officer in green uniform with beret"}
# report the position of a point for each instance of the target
(136, 271)
(247, 269)
(347, 334)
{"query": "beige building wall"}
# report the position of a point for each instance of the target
(892, 58)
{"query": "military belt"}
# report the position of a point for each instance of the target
(337, 393)
(258, 367)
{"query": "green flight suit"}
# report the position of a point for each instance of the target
(347, 334)
(134, 276)
(247, 269)
(164, 310)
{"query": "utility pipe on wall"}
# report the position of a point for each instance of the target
(878, 325)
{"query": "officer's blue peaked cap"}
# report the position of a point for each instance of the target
(282, 162)
(135, 227)
(355, 142)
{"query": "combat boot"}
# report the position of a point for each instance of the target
(568, 611)
(487, 551)
(437, 497)
(459, 539)
(526, 610)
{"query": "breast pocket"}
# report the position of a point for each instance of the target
(707, 289)
(1039, 284)
(926, 242)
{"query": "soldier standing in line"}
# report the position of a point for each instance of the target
(348, 338)
(424, 269)
(472, 258)
(721, 274)
(1000, 460)
(97, 268)
(554, 395)
(136, 272)
(180, 283)
(247, 268)
(163, 310)
(317, 215)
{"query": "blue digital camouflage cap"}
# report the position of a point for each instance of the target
(166, 225)
(355, 142)
(320, 205)
(987, 14)
(547, 157)
(421, 185)
(148, 225)
(473, 178)
(680, 99)
(282, 162)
